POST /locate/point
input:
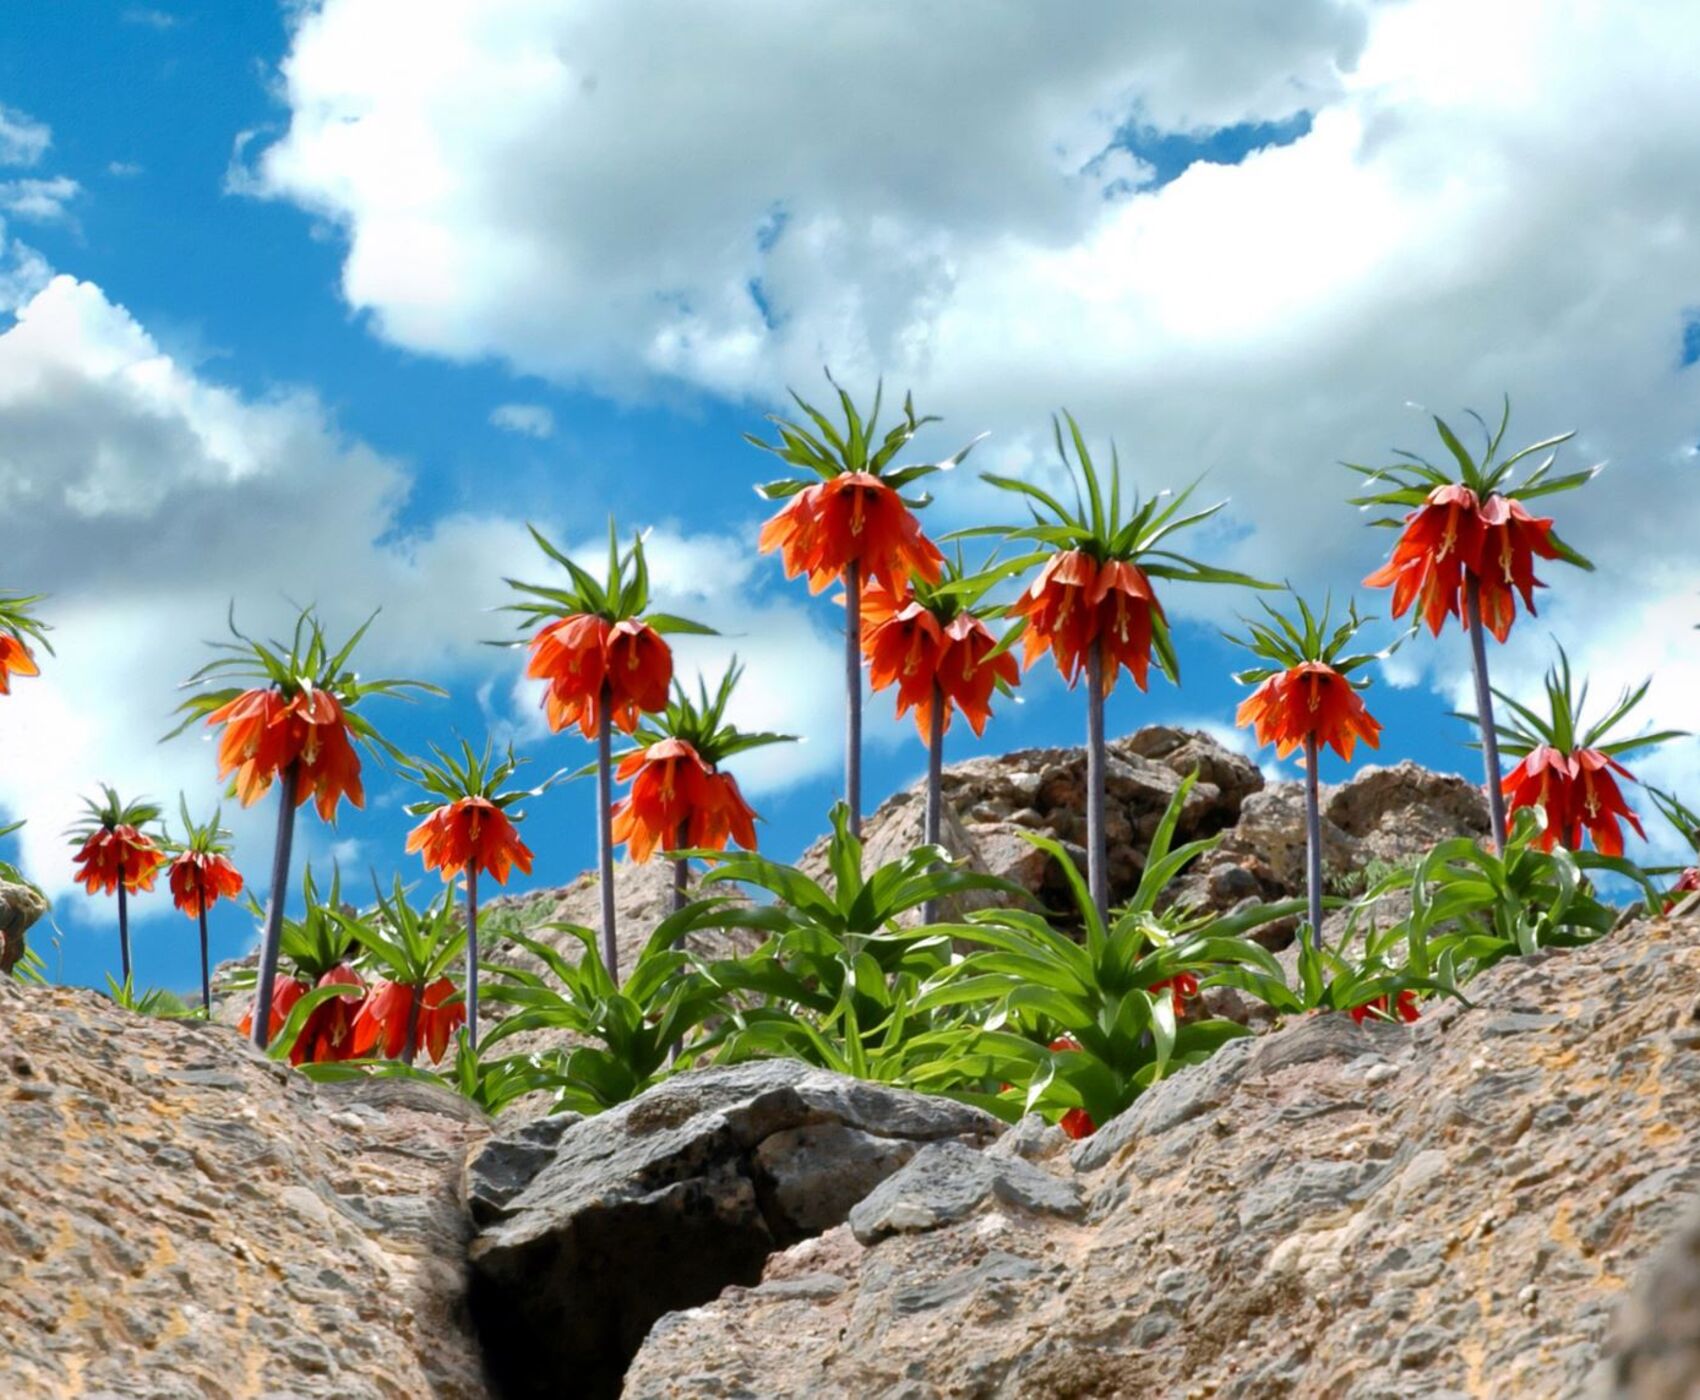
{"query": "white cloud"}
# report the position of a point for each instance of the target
(124, 169)
(153, 497)
(23, 140)
(40, 201)
(149, 18)
(1487, 199)
(527, 419)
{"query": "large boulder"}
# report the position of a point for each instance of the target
(20, 907)
(1380, 1211)
(593, 1231)
(180, 1217)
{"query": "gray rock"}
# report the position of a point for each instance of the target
(659, 1204)
(948, 1181)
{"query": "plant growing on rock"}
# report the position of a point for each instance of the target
(626, 1035)
(846, 520)
(468, 827)
(1472, 908)
(1686, 822)
(1093, 607)
(602, 653)
(19, 626)
(113, 853)
(201, 874)
(931, 641)
(1115, 998)
(839, 978)
(294, 721)
(681, 797)
(1304, 699)
(1565, 767)
(413, 1004)
(316, 999)
(1467, 549)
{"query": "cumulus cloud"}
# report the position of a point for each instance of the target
(155, 496)
(526, 419)
(39, 201)
(23, 140)
(1484, 200)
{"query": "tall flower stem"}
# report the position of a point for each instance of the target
(681, 873)
(123, 925)
(933, 820)
(1484, 711)
(853, 694)
(605, 835)
(470, 994)
(1313, 840)
(273, 935)
(410, 1047)
(1097, 848)
(206, 981)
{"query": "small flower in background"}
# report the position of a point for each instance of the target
(18, 627)
(1182, 987)
(1076, 1122)
(316, 952)
(413, 1003)
(1686, 822)
(202, 874)
(680, 797)
(1567, 768)
(115, 855)
(387, 1020)
(1404, 1008)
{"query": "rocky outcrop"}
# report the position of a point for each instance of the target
(1453, 1208)
(20, 907)
(594, 1229)
(180, 1217)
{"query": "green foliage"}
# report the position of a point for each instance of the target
(1563, 726)
(1286, 642)
(312, 945)
(825, 450)
(155, 1001)
(411, 946)
(1111, 995)
(701, 723)
(622, 594)
(1406, 484)
(471, 774)
(110, 813)
(17, 618)
(634, 1030)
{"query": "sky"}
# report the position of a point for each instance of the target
(324, 302)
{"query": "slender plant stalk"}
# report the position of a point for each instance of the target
(1484, 712)
(933, 821)
(1313, 840)
(681, 872)
(123, 924)
(1097, 848)
(206, 981)
(853, 694)
(605, 836)
(410, 1047)
(470, 994)
(273, 936)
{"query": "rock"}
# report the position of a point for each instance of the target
(1442, 1209)
(947, 1181)
(1401, 812)
(659, 1204)
(181, 1217)
(1272, 829)
(20, 907)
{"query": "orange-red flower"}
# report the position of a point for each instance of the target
(853, 517)
(907, 645)
(1180, 987)
(383, 1019)
(578, 654)
(15, 659)
(199, 879)
(1404, 1007)
(266, 731)
(1060, 608)
(328, 1033)
(1686, 884)
(1124, 607)
(1309, 699)
(111, 855)
(1580, 795)
(676, 799)
(1076, 1122)
(470, 831)
(1511, 538)
(1442, 540)
(968, 678)
(286, 991)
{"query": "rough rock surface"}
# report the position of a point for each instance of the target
(20, 907)
(1454, 1208)
(181, 1218)
(595, 1229)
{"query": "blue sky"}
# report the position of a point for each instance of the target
(1241, 263)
